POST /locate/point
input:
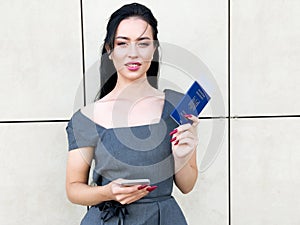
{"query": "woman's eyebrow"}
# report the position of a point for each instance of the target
(138, 39)
(143, 38)
(122, 37)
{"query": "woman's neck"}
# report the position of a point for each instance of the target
(133, 90)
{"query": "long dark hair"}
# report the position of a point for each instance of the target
(108, 73)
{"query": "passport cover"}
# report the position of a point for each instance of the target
(193, 102)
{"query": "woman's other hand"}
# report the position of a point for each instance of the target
(128, 194)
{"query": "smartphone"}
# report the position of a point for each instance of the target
(127, 182)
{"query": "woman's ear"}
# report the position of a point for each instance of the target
(155, 48)
(108, 51)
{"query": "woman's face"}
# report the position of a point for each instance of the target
(133, 49)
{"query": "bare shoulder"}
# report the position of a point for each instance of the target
(88, 110)
(99, 112)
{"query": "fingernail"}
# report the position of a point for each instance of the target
(151, 188)
(176, 143)
(173, 139)
(173, 132)
(188, 115)
(142, 186)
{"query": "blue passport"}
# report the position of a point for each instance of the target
(193, 102)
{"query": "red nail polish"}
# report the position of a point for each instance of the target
(173, 132)
(173, 139)
(188, 115)
(142, 186)
(176, 143)
(151, 188)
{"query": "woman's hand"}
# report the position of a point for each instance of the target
(127, 195)
(184, 138)
(184, 142)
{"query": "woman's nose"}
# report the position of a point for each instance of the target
(132, 51)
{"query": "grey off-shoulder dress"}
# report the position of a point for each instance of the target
(131, 152)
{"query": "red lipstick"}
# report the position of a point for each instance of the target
(133, 66)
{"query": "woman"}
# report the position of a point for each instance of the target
(129, 133)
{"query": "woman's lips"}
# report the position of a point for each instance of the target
(133, 66)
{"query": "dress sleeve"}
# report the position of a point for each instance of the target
(81, 132)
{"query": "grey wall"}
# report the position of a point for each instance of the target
(255, 176)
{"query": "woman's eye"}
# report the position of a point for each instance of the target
(122, 44)
(143, 44)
